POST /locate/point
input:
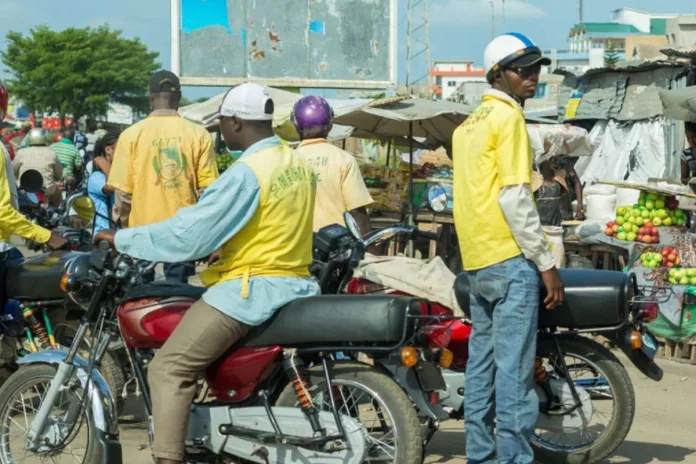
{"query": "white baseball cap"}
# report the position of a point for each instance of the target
(251, 102)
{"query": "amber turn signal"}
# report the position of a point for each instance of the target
(446, 358)
(64, 282)
(409, 356)
(636, 340)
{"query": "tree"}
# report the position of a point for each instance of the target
(611, 58)
(78, 71)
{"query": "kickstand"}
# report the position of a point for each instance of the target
(566, 374)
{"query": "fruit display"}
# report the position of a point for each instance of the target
(661, 210)
(630, 231)
(667, 257)
(224, 160)
(681, 276)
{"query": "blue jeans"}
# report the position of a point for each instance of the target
(12, 257)
(174, 272)
(500, 371)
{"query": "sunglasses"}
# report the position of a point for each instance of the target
(527, 71)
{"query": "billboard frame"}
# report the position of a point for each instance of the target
(175, 14)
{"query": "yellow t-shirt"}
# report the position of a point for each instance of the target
(162, 162)
(491, 150)
(340, 186)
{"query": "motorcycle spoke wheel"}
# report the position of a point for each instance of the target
(584, 374)
(19, 409)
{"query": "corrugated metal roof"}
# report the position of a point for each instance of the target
(642, 100)
(603, 98)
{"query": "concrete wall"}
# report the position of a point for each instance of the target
(681, 31)
(450, 84)
(640, 20)
(632, 42)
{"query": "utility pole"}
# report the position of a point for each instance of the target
(418, 45)
(492, 19)
(580, 18)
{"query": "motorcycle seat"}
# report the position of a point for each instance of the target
(37, 278)
(335, 320)
(593, 299)
(164, 288)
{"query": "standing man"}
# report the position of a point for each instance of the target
(39, 157)
(503, 250)
(260, 212)
(340, 186)
(688, 158)
(69, 156)
(11, 221)
(160, 165)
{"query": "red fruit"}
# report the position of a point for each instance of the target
(648, 224)
(669, 264)
(608, 231)
(615, 227)
(672, 257)
(647, 239)
(642, 231)
(665, 252)
(611, 223)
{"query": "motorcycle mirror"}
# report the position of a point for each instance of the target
(31, 181)
(352, 225)
(32, 197)
(84, 207)
(437, 198)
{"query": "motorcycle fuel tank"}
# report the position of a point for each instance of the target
(148, 322)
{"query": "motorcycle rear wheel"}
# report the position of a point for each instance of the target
(603, 361)
(390, 404)
(29, 381)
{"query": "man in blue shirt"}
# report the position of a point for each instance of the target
(101, 194)
(266, 241)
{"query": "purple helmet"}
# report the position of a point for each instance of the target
(313, 118)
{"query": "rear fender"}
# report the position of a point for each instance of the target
(407, 379)
(101, 401)
(643, 363)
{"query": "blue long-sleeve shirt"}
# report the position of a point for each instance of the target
(195, 232)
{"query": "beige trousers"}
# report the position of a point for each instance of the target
(203, 335)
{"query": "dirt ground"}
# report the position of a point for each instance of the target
(664, 429)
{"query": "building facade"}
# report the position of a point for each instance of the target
(681, 31)
(448, 76)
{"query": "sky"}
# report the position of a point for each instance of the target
(459, 29)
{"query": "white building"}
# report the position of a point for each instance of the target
(681, 31)
(447, 76)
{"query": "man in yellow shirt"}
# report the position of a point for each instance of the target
(11, 220)
(161, 164)
(340, 186)
(503, 250)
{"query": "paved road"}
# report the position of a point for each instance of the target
(664, 430)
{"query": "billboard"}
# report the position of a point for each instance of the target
(287, 43)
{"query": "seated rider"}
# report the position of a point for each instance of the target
(260, 212)
(12, 222)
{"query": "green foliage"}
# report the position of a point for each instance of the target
(78, 71)
(611, 58)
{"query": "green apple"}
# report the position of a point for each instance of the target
(621, 235)
(661, 213)
(667, 222)
(673, 272)
(645, 214)
(631, 236)
(652, 264)
(684, 281)
(680, 273)
(679, 213)
(658, 257)
(691, 272)
(692, 281)
(620, 220)
(657, 222)
(636, 206)
(672, 280)
(649, 205)
(681, 222)
(659, 204)
(641, 201)
(632, 220)
(652, 196)
(621, 211)
(640, 221)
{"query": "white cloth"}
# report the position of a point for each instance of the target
(431, 279)
(517, 204)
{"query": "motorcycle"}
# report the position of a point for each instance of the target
(57, 219)
(575, 375)
(279, 394)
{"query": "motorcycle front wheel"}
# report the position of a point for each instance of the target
(63, 441)
(595, 430)
(391, 424)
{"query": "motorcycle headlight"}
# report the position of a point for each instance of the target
(76, 271)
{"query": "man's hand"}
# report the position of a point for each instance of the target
(105, 235)
(555, 291)
(215, 256)
(56, 242)
(580, 216)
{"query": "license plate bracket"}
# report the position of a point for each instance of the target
(430, 377)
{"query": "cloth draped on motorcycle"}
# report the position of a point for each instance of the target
(430, 279)
(259, 250)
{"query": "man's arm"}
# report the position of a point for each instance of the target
(102, 164)
(223, 210)
(122, 207)
(57, 169)
(577, 186)
(685, 172)
(356, 197)
(10, 219)
(206, 170)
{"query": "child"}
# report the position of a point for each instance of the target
(552, 196)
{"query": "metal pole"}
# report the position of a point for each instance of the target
(389, 152)
(175, 13)
(411, 206)
(408, 46)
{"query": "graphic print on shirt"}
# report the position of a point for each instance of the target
(291, 176)
(170, 167)
(480, 114)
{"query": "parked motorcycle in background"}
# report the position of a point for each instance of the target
(586, 398)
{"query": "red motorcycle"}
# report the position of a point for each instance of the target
(279, 395)
(586, 399)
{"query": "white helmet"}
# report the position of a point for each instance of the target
(506, 48)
